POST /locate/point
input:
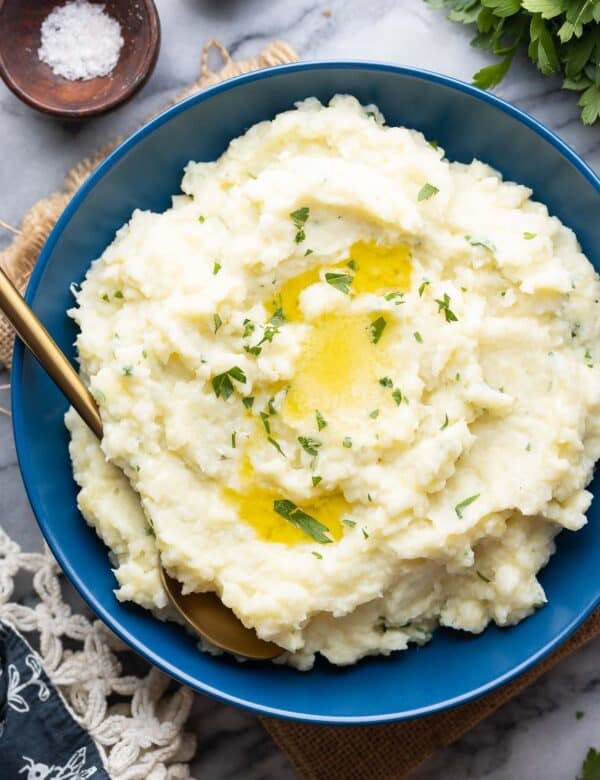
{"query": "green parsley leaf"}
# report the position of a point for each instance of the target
(309, 444)
(445, 425)
(201, 219)
(105, 297)
(579, 714)
(590, 769)
(308, 252)
(216, 268)
(347, 443)
(298, 518)
(233, 437)
(444, 306)
(397, 396)
(265, 418)
(422, 287)
(317, 555)
(464, 504)
(249, 328)
(427, 191)
(321, 422)
(528, 236)
(119, 294)
(386, 382)
(316, 480)
(144, 354)
(341, 282)
(434, 144)
(276, 445)
(369, 497)
(348, 522)
(127, 370)
(374, 414)
(352, 264)
(248, 401)
(365, 533)
(483, 243)
(222, 382)
(390, 297)
(376, 329)
(299, 218)
(217, 321)
(418, 337)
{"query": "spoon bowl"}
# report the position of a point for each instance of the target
(34, 82)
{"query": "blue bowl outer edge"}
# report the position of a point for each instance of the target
(18, 411)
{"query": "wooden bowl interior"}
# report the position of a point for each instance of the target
(34, 81)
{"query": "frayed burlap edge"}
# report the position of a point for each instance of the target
(20, 256)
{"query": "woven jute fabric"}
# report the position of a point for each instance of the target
(318, 752)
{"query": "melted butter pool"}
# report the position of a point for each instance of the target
(254, 505)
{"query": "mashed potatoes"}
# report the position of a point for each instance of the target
(345, 383)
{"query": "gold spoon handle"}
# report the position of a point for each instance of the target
(35, 336)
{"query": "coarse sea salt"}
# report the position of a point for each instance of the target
(80, 41)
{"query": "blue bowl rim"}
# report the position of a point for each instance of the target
(18, 410)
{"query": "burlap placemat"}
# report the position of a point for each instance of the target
(318, 752)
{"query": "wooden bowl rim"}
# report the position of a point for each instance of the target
(141, 76)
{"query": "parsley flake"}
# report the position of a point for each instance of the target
(248, 401)
(398, 396)
(482, 242)
(364, 533)
(222, 382)
(309, 444)
(427, 191)
(422, 287)
(217, 321)
(300, 519)
(233, 438)
(265, 418)
(445, 424)
(216, 268)
(347, 443)
(444, 306)
(119, 294)
(528, 236)
(272, 441)
(418, 337)
(105, 297)
(374, 414)
(352, 264)
(350, 523)
(316, 480)
(201, 219)
(249, 328)
(127, 370)
(579, 714)
(299, 218)
(464, 504)
(341, 282)
(317, 555)
(376, 329)
(386, 382)
(321, 421)
(590, 769)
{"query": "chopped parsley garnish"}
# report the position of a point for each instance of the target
(422, 287)
(427, 191)
(265, 418)
(376, 329)
(316, 480)
(270, 329)
(278, 318)
(248, 401)
(233, 437)
(434, 144)
(374, 414)
(369, 497)
(464, 504)
(399, 396)
(309, 445)
(300, 519)
(528, 236)
(588, 358)
(321, 421)
(222, 382)
(444, 306)
(317, 555)
(365, 534)
(445, 423)
(299, 218)
(216, 268)
(105, 297)
(392, 295)
(119, 294)
(457, 377)
(348, 522)
(482, 576)
(418, 337)
(249, 327)
(590, 769)
(276, 445)
(341, 282)
(352, 264)
(256, 350)
(144, 354)
(347, 443)
(127, 370)
(217, 321)
(386, 382)
(201, 219)
(528, 447)
(482, 242)
(308, 252)
(579, 714)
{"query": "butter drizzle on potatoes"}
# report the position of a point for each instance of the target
(352, 386)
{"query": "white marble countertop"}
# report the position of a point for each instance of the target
(537, 736)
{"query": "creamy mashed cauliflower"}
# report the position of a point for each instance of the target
(350, 386)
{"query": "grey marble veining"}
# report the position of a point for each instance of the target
(537, 735)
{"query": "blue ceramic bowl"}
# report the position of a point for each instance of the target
(144, 172)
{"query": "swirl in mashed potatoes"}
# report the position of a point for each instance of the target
(350, 386)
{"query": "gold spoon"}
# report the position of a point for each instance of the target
(204, 612)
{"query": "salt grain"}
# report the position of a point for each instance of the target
(80, 41)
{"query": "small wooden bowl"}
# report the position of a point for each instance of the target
(34, 82)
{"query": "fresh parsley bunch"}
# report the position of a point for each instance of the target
(562, 37)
